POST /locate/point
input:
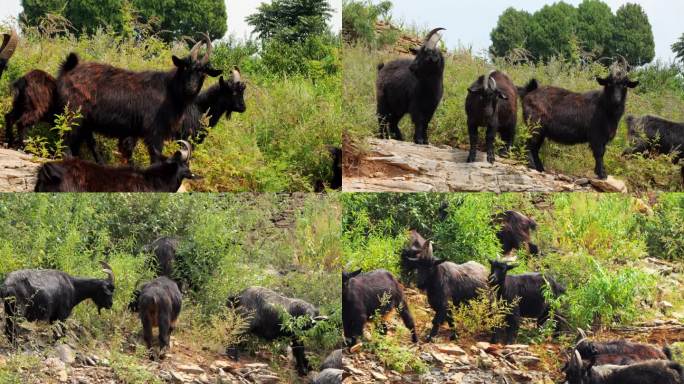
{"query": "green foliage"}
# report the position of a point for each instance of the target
(359, 19)
(291, 20)
(588, 31)
(633, 35)
(551, 31)
(665, 229)
(173, 19)
(483, 314)
(511, 32)
(678, 49)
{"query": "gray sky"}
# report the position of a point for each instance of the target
(237, 11)
(469, 22)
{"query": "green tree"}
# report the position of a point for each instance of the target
(291, 20)
(633, 35)
(359, 19)
(175, 18)
(678, 49)
(551, 31)
(511, 32)
(594, 26)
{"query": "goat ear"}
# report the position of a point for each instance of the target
(212, 72)
(631, 84)
(602, 81)
(355, 273)
(178, 62)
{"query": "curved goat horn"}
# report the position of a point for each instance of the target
(207, 54)
(433, 38)
(489, 82)
(186, 152)
(195, 50)
(9, 44)
(108, 270)
(236, 75)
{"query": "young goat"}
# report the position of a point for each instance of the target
(158, 304)
(75, 175)
(411, 86)
(444, 281)
(492, 102)
(528, 288)
(118, 103)
(573, 118)
(50, 295)
(34, 101)
(362, 298)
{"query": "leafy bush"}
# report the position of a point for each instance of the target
(483, 314)
(359, 19)
(665, 229)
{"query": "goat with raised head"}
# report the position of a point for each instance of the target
(50, 295)
(445, 282)
(7, 48)
(515, 232)
(492, 102)
(620, 352)
(572, 118)
(365, 295)
(76, 175)
(528, 289)
(118, 103)
(34, 101)
(657, 135)
(264, 309)
(654, 371)
(414, 86)
(158, 304)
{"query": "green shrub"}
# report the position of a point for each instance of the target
(665, 229)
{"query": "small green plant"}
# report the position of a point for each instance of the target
(53, 148)
(665, 229)
(483, 314)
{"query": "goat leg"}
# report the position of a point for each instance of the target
(490, 137)
(472, 134)
(599, 150)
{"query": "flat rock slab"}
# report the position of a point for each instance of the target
(397, 166)
(17, 171)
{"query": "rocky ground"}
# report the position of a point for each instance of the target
(397, 166)
(17, 171)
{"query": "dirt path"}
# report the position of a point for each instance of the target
(17, 171)
(396, 166)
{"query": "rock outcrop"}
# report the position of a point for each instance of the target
(17, 171)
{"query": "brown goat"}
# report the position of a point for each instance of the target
(34, 101)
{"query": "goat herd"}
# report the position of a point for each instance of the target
(415, 87)
(154, 106)
(51, 295)
(377, 293)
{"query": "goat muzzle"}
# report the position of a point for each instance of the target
(9, 44)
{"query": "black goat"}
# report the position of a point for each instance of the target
(654, 371)
(75, 175)
(158, 304)
(368, 294)
(528, 288)
(34, 101)
(515, 232)
(221, 99)
(620, 352)
(654, 134)
(118, 103)
(331, 370)
(7, 48)
(444, 281)
(50, 295)
(264, 309)
(413, 86)
(492, 102)
(573, 118)
(164, 249)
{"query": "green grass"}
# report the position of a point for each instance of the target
(279, 144)
(449, 125)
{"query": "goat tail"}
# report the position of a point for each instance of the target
(668, 352)
(381, 66)
(70, 63)
(532, 85)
